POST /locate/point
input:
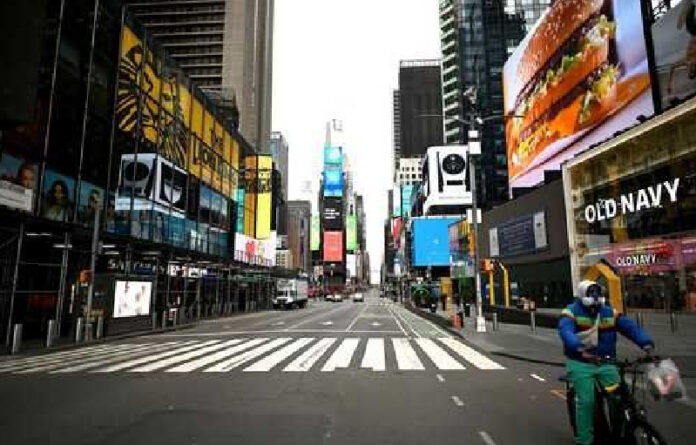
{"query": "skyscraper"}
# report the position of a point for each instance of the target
(279, 151)
(226, 48)
(477, 37)
(299, 222)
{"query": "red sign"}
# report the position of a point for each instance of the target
(333, 247)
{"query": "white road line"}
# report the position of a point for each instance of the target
(342, 356)
(534, 376)
(308, 358)
(320, 315)
(174, 360)
(120, 352)
(406, 357)
(36, 359)
(374, 355)
(267, 363)
(152, 358)
(440, 378)
(486, 438)
(457, 401)
(406, 322)
(283, 331)
(471, 355)
(438, 355)
(240, 359)
(352, 323)
(220, 355)
(398, 323)
(114, 358)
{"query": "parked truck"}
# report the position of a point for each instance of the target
(291, 293)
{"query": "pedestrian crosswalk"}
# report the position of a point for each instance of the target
(261, 355)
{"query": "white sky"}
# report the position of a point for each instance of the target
(340, 59)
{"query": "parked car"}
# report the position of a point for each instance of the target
(337, 298)
(358, 298)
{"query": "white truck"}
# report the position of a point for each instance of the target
(291, 293)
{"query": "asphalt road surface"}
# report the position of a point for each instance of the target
(333, 373)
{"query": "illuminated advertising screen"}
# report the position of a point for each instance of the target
(352, 265)
(406, 194)
(674, 39)
(579, 76)
(315, 233)
(132, 298)
(333, 182)
(396, 202)
(333, 247)
(430, 241)
(332, 155)
(263, 197)
(18, 181)
(351, 233)
(333, 214)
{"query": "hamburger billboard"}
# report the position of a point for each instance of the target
(580, 75)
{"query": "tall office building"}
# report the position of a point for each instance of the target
(226, 48)
(477, 38)
(396, 128)
(299, 223)
(279, 151)
(417, 108)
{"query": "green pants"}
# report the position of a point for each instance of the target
(584, 376)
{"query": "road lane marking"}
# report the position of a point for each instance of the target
(278, 323)
(151, 358)
(269, 362)
(374, 355)
(308, 358)
(397, 322)
(440, 378)
(438, 355)
(119, 357)
(175, 360)
(352, 323)
(406, 357)
(220, 355)
(124, 351)
(321, 315)
(486, 438)
(283, 331)
(327, 323)
(375, 324)
(417, 334)
(52, 358)
(239, 360)
(534, 376)
(342, 356)
(457, 401)
(471, 355)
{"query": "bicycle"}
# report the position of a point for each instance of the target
(628, 424)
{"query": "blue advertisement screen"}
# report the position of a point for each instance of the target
(431, 241)
(406, 192)
(332, 155)
(333, 182)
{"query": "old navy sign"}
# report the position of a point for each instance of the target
(647, 198)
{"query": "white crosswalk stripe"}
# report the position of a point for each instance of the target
(304, 362)
(442, 359)
(342, 355)
(471, 355)
(263, 355)
(406, 357)
(278, 356)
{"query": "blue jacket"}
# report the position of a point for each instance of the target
(576, 318)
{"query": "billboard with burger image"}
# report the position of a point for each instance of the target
(579, 76)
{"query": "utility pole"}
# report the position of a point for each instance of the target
(480, 321)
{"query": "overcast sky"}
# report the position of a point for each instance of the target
(340, 59)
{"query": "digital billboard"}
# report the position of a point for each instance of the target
(333, 182)
(396, 202)
(332, 155)
(18, 180)
(352, 265)
(263, 196)
(351, 233)
(333, 247)
(315, 233)
(580, 75)
(430, 241)
(132, 298)
(333, 214)
(674, 40)
(406, 195)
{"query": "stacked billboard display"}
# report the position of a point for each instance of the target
(333, 171)
(580, 75)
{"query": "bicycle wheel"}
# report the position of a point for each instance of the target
(640, 432)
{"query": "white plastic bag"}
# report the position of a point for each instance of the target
(665, 382)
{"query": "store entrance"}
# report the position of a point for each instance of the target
(655, 291)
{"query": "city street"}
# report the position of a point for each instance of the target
(343, 373)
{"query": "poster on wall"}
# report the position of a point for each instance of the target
(132, 298)
(351, 233)
(580, 75)
(333, 247)
(333, 214)
(315, 233)
(333, 182)
(332, 155)
(18, 180)
(674, 39)
(58, 192)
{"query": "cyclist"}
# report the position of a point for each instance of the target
(588, 329)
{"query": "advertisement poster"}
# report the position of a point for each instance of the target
(132, 298)
(352, 265)
(333, 247)
(430, 241)
(674, 38)
(579, 76)
(333, 155)
(263, 197)
(58, 192)
(333, 214)
(315, 233)
(406, 199)
(333, 182)
(18, 180)
(91, 199)
(351, 233)
(396, 202)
